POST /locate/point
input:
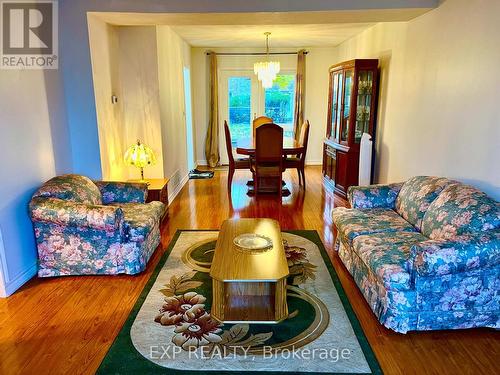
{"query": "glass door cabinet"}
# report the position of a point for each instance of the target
(352, 101)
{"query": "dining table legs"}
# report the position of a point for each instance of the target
(285, 192)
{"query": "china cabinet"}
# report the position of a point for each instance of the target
(352, 106)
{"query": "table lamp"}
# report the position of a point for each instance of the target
(139, 155)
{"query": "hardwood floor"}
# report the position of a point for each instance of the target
(66, 325)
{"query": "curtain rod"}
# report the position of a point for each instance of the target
(254, 53)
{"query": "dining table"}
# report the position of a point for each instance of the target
(246, 146)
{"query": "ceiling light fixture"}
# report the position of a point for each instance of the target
(266, 70)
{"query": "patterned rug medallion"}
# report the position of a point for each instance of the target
(170, 329)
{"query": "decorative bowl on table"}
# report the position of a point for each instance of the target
(253, 243)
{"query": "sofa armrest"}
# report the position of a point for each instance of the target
(464, 253)
(68, 213)
(374, 196)
(122, 192)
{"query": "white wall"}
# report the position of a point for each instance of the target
(199, 82)
(35, 146)
(104, 50)
(173, 55)
(143, 66)
(439, 112)
(317, 62)
(125, 64)
(140, 94)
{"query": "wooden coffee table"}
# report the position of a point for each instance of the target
(249, 286)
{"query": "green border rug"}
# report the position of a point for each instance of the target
(146, 319)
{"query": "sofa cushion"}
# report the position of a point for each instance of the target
(122, 192)
(480, 250)
(140, 218)
(460, 209)
(374, 196)
(71, 187)
(351, 223)
(387, 255)
(416, 195)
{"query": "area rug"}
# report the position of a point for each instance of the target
(170, 330)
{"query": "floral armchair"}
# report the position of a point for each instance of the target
(425, 253)
(84, 227)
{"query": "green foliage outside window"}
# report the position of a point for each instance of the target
(279, 104)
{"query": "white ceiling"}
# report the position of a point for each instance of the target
(261, 18)
(289, 29)
(317, 35)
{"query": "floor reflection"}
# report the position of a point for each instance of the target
(304, 208)
(205, 204)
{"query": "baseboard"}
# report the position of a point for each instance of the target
(19, 280)
(314, 162)
(4, 272)
(202, 163)
(176, 189)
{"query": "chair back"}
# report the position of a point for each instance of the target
(269, 144)
(229, 146)
(304, 138)
(258, 121)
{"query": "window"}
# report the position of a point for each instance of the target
(239, 97)
(242, 98)
(279, 102)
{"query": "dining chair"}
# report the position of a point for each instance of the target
(268, 160)
(239, 163)
(299, 161)
(258, 121)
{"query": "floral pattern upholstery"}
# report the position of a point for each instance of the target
(351, 223)
(416, 195)
(122, 192)
(140, 219)
(465, 292)
(458, 210)
(455, 301)
(373, 196)
(445, 276)
(78, 235)
(388, 256)
(71, 187)
(442, 257)
(67, 213)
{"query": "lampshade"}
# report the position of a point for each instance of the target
(139, 155)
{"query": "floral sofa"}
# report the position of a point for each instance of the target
(425, 253)
(84, 227)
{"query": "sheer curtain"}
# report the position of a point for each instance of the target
(299, 92)
(212, 140)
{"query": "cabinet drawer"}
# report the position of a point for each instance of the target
(341, 173)
(330, 151)
(330, 162)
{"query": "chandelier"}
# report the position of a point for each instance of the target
(266, 70)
